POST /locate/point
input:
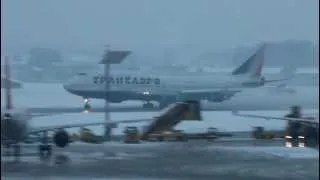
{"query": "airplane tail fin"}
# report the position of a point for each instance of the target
(8, 84)
(253, 66)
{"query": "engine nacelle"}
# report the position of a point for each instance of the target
(14, 125)
(61, 138)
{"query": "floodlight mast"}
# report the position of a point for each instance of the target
(110, 57)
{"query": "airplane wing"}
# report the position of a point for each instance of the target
(222, 94)
(313, 121)
(276, 80)
(113, 124)
(286, 73)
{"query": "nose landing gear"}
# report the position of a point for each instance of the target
(87, 106)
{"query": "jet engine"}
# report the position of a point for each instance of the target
(61, 138)
(14, 126)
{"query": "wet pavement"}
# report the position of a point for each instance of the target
(226, 159)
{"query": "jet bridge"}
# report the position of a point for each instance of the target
(171, 116)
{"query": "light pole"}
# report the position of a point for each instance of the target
(107, 130)
(110, 57)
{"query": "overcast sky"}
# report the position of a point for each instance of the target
(219, 24)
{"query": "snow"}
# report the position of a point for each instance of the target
(294, 153)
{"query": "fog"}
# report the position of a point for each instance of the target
(179, 33)
(69, 25)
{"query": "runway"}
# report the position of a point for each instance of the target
(170, 160)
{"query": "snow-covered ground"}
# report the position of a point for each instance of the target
(295, 153)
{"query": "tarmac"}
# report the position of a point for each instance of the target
(222, 159)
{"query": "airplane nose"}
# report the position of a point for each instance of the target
(69, 84)
(73, 85)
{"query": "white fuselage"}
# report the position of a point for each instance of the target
(136, 87)
(261, 98)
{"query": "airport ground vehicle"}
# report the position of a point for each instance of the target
(131, 135)
(310, 136)
(87, 136)
(294, 136)
(300, 135)
(173, 135)
(260, 133)
(299, 132)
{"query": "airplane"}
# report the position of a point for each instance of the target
(168, 89)
(15, 124)
(257, 99)
(299, 132)
(15, 127)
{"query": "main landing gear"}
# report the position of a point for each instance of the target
(13, 149)
(148, 105)
(45, 149)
